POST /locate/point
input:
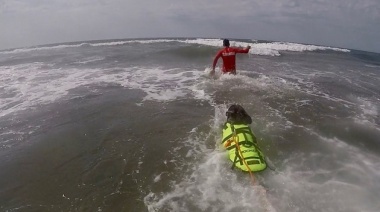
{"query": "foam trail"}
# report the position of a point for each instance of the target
(211, 185)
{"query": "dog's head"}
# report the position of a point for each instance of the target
(237, 115)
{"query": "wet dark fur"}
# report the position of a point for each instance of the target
(237, 115)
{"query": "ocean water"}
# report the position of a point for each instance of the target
(135, 125)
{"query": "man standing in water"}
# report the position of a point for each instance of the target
(228, 55)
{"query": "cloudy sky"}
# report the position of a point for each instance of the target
(339, 23)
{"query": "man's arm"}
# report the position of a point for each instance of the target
(245, 50)
(217, 56)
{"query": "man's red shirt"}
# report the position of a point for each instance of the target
(228, 55)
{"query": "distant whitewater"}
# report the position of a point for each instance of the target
(135, 125)
(259, 48)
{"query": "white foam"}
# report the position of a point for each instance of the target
(63, 46)
(90, 60)
(29, 85)
(210, 184)
(341, 178)
(368, 112)
(23, 50)
(211, 187)
(371, 66)
(159, 85)
(157, 178)
(272, 48)
(282, 46)
(368, 108)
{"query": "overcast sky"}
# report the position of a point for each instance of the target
(339, 23)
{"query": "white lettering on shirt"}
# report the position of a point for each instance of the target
(228, 53)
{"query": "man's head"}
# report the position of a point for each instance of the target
(226, 43)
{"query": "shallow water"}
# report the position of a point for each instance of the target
(135, 126)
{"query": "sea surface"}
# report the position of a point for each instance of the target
(135, 125)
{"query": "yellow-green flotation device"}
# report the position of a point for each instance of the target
(242, 146)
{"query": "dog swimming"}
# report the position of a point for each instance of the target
(241, 143)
